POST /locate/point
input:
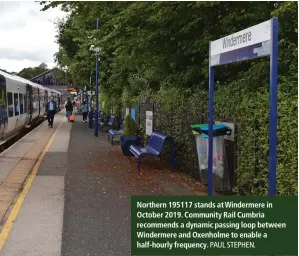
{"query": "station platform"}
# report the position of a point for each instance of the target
(65, 192)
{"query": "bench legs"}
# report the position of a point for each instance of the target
(112, 137)
(101, 127)
(138, 163)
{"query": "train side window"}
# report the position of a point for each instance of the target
(16, 104)
(21, 104)
(10, 104)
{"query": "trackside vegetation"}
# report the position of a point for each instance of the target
(158, 51)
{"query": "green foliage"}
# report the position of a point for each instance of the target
(127, 98)
(141, 133)
(154, 51)
(116, 110)
(130, 126)
(29, 73)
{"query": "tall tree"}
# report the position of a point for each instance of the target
(31, 72)
(161, 50)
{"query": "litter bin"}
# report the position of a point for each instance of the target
(221, 181)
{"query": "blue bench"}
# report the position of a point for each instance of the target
(109, 123)
(154, 148)
(100, 115)
(112, 133)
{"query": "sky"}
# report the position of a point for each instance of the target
(27, 35)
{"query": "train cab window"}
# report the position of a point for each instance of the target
(16, 104)
(10, 104)
(21, 104)
(2, 98)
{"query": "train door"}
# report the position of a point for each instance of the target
(3, 106)
(22, 118)
(29, 101)
(16, 108)
(39, 103)
(46, 96)
(10, 109)
(35, 103)
(46, 99)
(26, 111)
(59, 102)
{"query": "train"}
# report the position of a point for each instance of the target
(22, 104)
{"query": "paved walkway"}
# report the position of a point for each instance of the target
(17, 162)
(79, 201)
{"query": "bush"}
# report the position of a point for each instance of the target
(245, 102)
(130, 126)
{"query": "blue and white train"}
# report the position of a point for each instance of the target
(22, 104)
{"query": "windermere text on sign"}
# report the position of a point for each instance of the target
(247, 37)
(236, 40)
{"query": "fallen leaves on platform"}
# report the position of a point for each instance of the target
(154, 178)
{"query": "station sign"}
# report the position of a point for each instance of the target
(257, 41)
(247, 44)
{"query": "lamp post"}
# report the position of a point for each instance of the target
(96, 131)
(90, 102)
(96, 50)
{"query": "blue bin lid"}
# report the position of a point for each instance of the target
(218, 129)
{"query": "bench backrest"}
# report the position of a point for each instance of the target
(111, 120)
(100, 114)
(156, 141)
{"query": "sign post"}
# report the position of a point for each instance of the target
(254, 42)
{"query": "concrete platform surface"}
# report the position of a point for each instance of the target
(79, 200)
(17, 162)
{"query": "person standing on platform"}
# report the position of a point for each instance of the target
(69, 108)
(84, 110)
(79, 105)
(75, 107)
(51, 110)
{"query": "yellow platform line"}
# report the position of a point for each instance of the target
(16, 208)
